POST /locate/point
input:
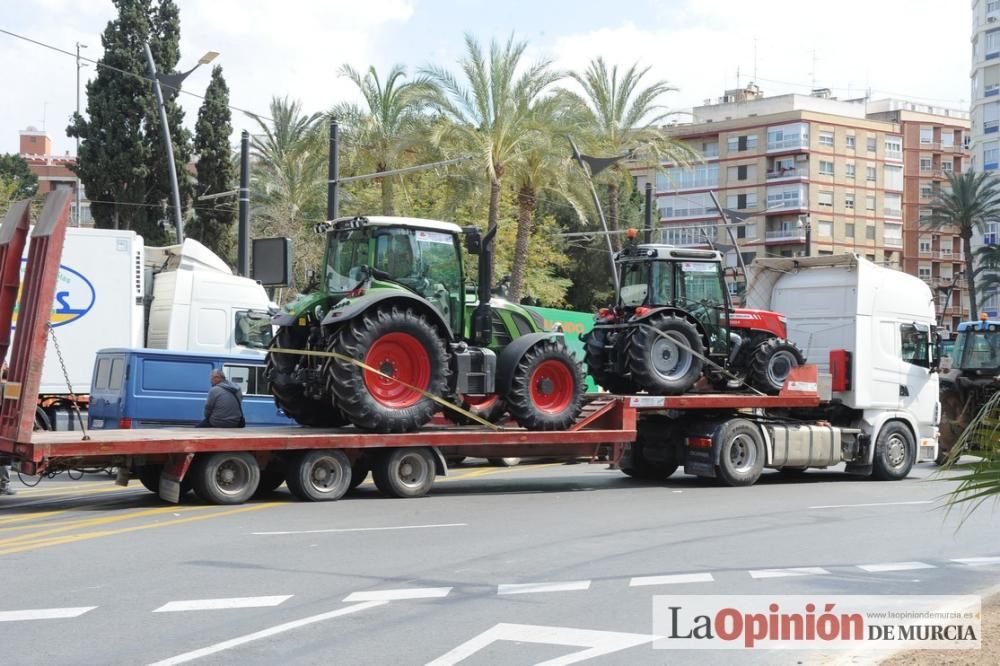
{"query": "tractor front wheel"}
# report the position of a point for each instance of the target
(408, 353)
(546, 391)
(771, 363)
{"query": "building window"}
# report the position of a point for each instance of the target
(870, 202)
(824, 229)
(993, 44)
(710, 149)
(849, 200)
(825, 168)
(894, 147)
(870, 233)
(893, 204)
(892, 177)
(991, 117)
(743, 143)
(686, 178)
(924, 272)
(697, 204)
(788, 136)
(925, 164)
(947, 138)
(926, 135)
(786, 196)
(850, 141)
(991, 154)
(825, 199)
(849, 170)
(849, 230)
(742, 201)
(992, 235)
(870, 174)
(926, 191)
(924, 245)
(947, 166)
(872, 142)
(743, 172)
(826, 139)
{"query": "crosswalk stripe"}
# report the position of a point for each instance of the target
(222, 604)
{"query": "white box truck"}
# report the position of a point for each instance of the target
(115, 292)
(868, 330)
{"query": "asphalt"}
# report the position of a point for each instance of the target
(525, 565)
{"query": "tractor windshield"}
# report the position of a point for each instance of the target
(699, 291)
(977, 350)
(347, 252)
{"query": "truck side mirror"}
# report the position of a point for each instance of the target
(473, 240)
(271, 262)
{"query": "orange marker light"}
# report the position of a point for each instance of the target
(632, 233)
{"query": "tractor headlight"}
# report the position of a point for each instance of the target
(318, 313)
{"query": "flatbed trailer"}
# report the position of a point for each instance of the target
(730, 436)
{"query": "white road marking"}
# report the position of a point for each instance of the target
(596, 643)
(895, 566)
(395, 595)
(977, 561)
(44, 613)
(531, 588)
(266, 633)
(221, 604)
(362, 529)
(850, 506)
(793, 571)
(671, 579)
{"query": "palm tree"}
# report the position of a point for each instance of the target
(623, 115)
(968, 202)
(492, 111)
(388, 128)
(988, 271)
(980, 480)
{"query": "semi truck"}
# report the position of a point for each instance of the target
(114, 291)
(869, 400)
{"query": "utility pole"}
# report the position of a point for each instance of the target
(648, 238)
(168, 144)
(333, 171)
(79, 185)
(243, 231)
(732, 236)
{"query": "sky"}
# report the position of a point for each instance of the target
(914, 49)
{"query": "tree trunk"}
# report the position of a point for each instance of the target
(613, 211)
(494, 213)
(388, 207)
(970, 278)
(525, 220)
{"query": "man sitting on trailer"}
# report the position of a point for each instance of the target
(224, 406)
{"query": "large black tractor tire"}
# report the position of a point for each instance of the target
(402, 344)
(771, 362)
(895, 452)
(954, 420)
(490, 408)
(660, 355)
(596, 359)
(546, 391)
(288, 394)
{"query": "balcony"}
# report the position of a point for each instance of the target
(991, 126)
(893, 212)
(894, 155)
(794, 234)
(789, 143)
(786, 173)
(893, 242)
(991, 91)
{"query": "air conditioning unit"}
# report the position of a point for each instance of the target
(801, 158)
(991, 19)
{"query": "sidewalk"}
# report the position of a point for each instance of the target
(988, 655)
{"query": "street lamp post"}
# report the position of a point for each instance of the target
(172, 81)
(79, 185)
(807, 226)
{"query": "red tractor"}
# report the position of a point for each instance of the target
(674, 323)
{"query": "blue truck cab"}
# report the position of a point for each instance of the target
(155, 388)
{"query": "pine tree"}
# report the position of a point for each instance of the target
(216, 171)
(122, 161)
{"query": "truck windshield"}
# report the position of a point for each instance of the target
(254, 330)
(977, 350)
(346, 253)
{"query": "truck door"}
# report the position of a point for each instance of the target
(918, 391)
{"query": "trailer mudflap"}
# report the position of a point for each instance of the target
(172, 475)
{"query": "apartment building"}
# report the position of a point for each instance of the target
(985, 115)
(813, 174)
(935, 143)
(52, 170)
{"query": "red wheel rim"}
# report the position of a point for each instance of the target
(402, 357)
(552, 387)
(480, 402)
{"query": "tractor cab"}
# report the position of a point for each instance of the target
(977, 348)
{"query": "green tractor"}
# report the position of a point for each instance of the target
(392, 295)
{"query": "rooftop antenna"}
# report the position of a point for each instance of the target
(812, 74)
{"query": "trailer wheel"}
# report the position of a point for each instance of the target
(359, 471)
(546, 389)
(647, 459)
(320, 475)
(771, 363)
(404, 472)
(741, 453)
(400, 343)
(225, 478)
(660, 355)
(894, 452)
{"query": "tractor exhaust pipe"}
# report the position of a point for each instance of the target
(482, 317)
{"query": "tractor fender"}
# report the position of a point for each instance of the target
(510, 356)
(284, 320)
(338, 315)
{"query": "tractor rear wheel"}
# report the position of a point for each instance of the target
(546, 391)
(771, 363)
(664, 355)
(288, 393)
(596, 358)
(402, 344)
